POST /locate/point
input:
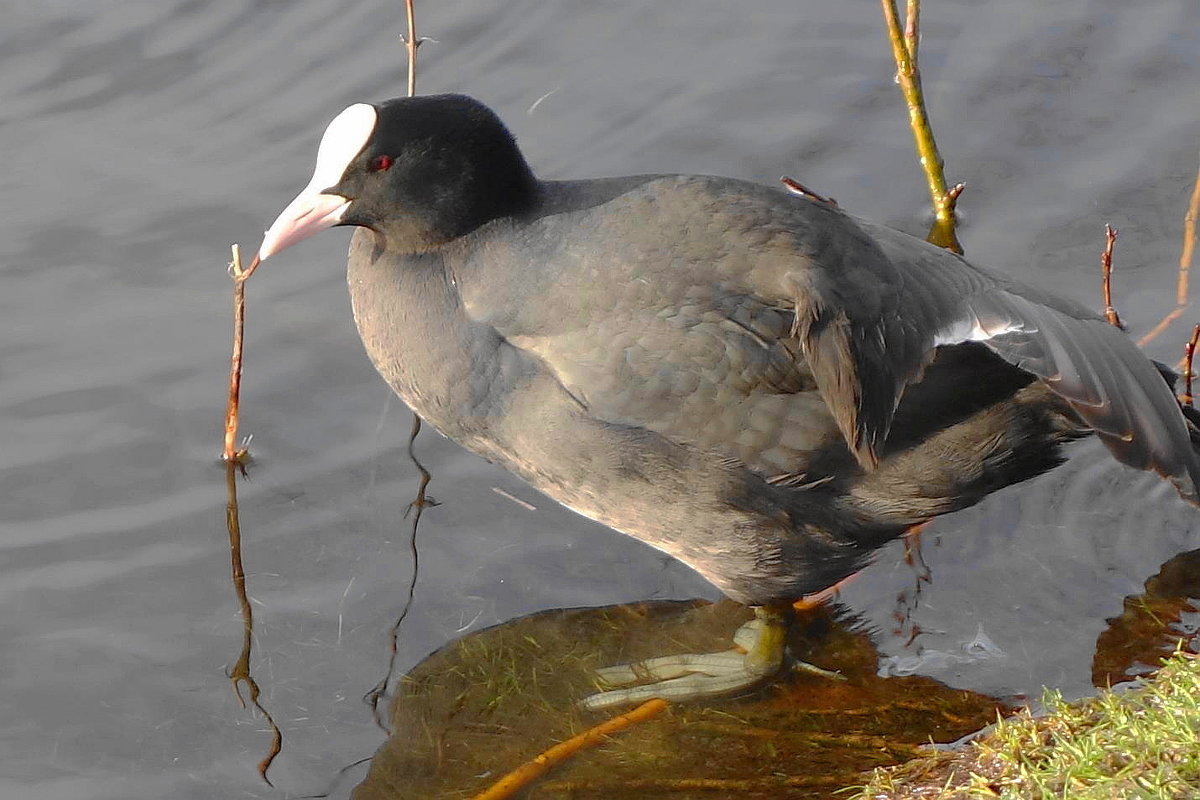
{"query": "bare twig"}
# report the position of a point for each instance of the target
(1162, 325)
(232, 452)
(1185, 265)
(904, 49)
(1189, 351)
(1110, 239)
(795, 187)
(411, 43)
(1189, 243)
(521, 777)
(912, 28)
(715, 787)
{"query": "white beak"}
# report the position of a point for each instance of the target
(313, 210)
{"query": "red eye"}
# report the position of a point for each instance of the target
(380, 163)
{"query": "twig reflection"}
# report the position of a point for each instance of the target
(239, 673)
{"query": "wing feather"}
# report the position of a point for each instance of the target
(1092, 365)
(747, 320)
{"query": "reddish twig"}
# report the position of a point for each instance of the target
(795, 187)
(1110, 313)
(234, 456)
(1189, 351)
(231, 451)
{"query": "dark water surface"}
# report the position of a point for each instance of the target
(141, 138)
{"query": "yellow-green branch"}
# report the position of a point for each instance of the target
(904, 49)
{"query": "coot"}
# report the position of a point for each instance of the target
(757, 383)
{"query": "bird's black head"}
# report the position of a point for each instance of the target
(419, 171)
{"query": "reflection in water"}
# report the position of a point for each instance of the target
(493, 700)
(239, 673)
(910, 597)
(1164, 617)
(420, 502)
(490, 702)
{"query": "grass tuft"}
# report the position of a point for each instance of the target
(1140, 743)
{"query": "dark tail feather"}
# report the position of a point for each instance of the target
(1012, 441)
(1006, 443)
(1106, 379)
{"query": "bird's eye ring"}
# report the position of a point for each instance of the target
(380, 163)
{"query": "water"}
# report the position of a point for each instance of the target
(142, 138)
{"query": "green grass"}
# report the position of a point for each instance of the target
(1141, 743)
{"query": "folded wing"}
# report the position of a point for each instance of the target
(863, 361)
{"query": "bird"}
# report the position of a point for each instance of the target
(750, 380)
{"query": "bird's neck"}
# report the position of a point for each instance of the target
(413, 327)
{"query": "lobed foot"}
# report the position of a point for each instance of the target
(697, 675)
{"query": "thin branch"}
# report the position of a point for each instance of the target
(912, 29)
(232, 452)
(1189, 351)
(520, 778)
(1189, 243)
(795, 187)
(1162, 325)
(691, 787)
(1110, 313)
(411, 43)
(1185, 265)
(904, 49)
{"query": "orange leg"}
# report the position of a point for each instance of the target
(912, 541)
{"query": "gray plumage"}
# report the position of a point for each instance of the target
(757, 383)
